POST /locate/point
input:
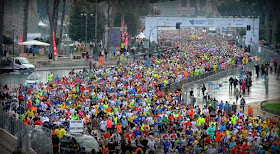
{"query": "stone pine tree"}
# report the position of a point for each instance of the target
(25, 20)
(62, 20)
(52, 15)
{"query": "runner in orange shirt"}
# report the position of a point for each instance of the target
(118, 127)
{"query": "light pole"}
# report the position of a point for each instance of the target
(13, 40)
(86, 15)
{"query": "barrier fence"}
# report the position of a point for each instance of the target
(28, 137)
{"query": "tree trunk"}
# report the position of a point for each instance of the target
(25, 21)
(274, 29)
(61, 23)
(1, 26)
(51, 26)
(266, 20)
(111, 25)
(55, 14)
(53, 21)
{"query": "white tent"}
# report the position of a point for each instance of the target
(75, 43)
(41, 24)
(35, 42)
(141, 35)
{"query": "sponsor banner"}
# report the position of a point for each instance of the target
(76, 126)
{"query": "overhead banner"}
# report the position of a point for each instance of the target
(54, 46)
(152, 24)
(201, 22)
(22, 47)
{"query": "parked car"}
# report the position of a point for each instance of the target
(32, 79)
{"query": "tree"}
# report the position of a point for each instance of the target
(1, 26)
(266, 22)
(25, 20)
(131, 9)
(77, 22)
(61, 23)
(52, 19)
(111, 11)
(132, 21)
(125, 7)
(275, 22)
(7, 40)
(267, 10)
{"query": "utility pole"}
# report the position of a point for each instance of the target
(86, 15)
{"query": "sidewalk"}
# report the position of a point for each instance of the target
(254, 98)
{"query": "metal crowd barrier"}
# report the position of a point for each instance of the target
(207, 77)
(29, 137)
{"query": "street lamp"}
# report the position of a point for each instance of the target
(13, 40)
(86, 15)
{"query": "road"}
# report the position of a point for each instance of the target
(15, 78)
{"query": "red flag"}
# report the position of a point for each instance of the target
(123, 27)
(126, 41)
(20, 39)
(54, 46)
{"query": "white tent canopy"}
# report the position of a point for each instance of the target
(141, 35)
(41, 24)
(35, 42)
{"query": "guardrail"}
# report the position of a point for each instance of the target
(213, 74)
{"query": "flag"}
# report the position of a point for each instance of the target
(123, 27)
(126, 41)
(54, 46)
(20, 39)
(99, 61)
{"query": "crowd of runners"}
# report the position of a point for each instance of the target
(128, 110)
